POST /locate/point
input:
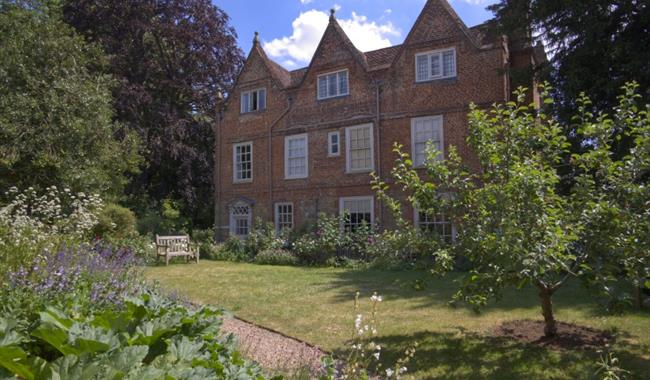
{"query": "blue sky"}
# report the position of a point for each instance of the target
(290, 29)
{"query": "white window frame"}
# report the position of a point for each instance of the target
(234, 162)
(233, 218)
(348, 158)
(249, 106)
(416, 223)
(286, 156)
(438, 53)
(342, 201)
(440, 120)
(277, 215)
(338, 89)
(329, 144)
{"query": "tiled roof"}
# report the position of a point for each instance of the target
(297, 75)
(381, 58)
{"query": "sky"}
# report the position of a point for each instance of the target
(291, 29)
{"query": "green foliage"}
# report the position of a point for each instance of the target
(56, 111)
(574, 45)
(261, 238)
(116, 222)
(613, 196)
(321, 244)
(276, 257)
(165, 220)
(151, 337)
(514, 226)
(609, 367)
(233, 249)
(179, 56)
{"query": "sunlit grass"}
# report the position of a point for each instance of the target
(316, 305)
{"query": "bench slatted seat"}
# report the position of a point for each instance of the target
(175, 246)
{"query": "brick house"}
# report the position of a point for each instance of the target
(292, 144)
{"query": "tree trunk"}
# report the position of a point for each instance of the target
(550, 328)
(638, 296)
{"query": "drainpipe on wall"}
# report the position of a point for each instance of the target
(217, 172)
(377, 118)
(270, 156)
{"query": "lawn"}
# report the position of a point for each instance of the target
(316, 305)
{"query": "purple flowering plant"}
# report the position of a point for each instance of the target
(98, 274)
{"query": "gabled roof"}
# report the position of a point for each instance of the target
(279, 73)
(379, 59)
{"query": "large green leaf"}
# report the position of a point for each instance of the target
(72, 367)
(184, 349)
(56, 317)
(14, 359)
(55, 337)
(88, 339)
(128, 358)
(8, 336)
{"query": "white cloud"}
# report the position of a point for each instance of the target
(308, 29)
(472, 2)
(306, 1)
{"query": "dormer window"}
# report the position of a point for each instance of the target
(252, 101)
(438, 64)
(331, 85)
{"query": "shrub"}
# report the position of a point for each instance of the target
(233, 250)
(261, 238)
(31, 223)
(405, 245)
(204, 240)
(276, 257)
(321, 244)
(115, 221)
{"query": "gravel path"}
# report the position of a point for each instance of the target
(274, 351)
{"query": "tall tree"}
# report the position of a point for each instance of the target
(56, 113)
(594, 46)
(171, 58)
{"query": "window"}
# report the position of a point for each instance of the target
(240, 219)
(359, 146)
(358, 211)
(283, 216)
(253, 100)
(425, 130)
(242, 162)
(333, 84)
(296, 153)
(437, 64)
(333, 146)
(436, 224)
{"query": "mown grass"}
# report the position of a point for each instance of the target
(316, 305)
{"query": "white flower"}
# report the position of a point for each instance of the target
(402, 370)
(357, 322)
(389, 372)
(376, 355)
(375, 298)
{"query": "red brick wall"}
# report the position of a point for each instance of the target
(480, 79)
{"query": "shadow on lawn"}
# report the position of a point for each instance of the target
(464, 355)
(429, 290)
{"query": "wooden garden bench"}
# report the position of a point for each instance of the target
(175, 246)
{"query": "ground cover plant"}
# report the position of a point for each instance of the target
(316, 305)
(85, 313)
